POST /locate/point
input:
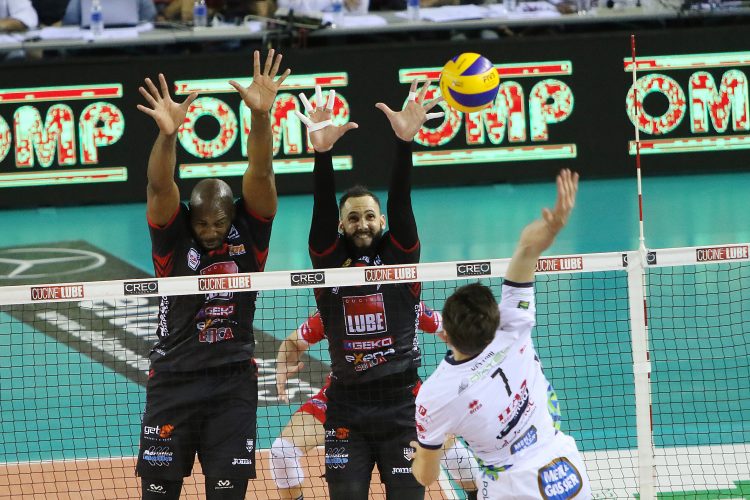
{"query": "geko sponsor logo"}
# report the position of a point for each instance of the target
(473, 269)
(223, 283)
(366, 345)
(404, 273)
(721, 253)
(555, 264)
(56, 292)
(311, 278)
(141, 287)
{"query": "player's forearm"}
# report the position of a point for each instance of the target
(258, 181)
(289, 353)
(260, 147)
(535, 239)
(425, 471)
(401, 221)
(161, 163)
(325, 218)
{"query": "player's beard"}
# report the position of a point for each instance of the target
(358, 251)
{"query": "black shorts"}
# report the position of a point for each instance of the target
(211, 412)
(361, 434)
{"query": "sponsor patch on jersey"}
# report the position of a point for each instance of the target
(367, 345)
(528, 439)
(193, 259)
(523, 304)
(250, 445)
(337, 458)
(559, 480)
(237, 249)
(233, 233)
(365, 315)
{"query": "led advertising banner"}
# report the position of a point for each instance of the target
(70, 132)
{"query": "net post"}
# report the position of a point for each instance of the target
(641, 374)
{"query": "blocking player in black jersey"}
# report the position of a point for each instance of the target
(202, 391)
(370, 329)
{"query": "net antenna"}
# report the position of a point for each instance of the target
(638, 288)
(634, 66)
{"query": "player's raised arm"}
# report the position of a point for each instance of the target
(539, 235)
(406, 123)
(162, 194)
(323, 135)
(258, 183)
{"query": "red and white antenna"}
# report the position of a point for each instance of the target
(641, 238)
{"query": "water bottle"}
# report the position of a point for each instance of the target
(412, 10)
(200, 14)
(337, 8)
(97, 18)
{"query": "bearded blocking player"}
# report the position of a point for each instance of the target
(202, 392)
(491, 389)
(371, 329)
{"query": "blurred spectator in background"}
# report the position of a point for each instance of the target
(17, 15)
(50, 12)
(233, 11)
(146, 11)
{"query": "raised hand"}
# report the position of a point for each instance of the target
(167, 114)
(323, 134)
(407, 122)
(259, 96)
(567, 188)
(283, 371)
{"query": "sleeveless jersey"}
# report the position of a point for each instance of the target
(371, 329)
(212, 329)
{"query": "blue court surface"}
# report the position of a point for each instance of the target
(699, 330)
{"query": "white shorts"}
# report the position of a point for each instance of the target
(556, 472)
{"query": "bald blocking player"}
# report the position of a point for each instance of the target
(491, 388)
(369, 419)
(305, 430)
(202, 392)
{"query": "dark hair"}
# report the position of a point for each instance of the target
(470, 318)
(357, 191)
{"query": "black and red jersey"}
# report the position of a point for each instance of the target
(213, 329)
(371, 329)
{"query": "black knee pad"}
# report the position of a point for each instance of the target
(348, 490)
(159, 489)
(225, 489)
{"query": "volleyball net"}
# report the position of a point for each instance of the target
(647, 354)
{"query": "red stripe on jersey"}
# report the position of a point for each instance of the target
(257, 216)
(260, 256)
(400, 247)
(327, 251)
(169, 222)
(415, 289)
(163, 265)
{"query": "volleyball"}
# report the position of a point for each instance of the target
(469, 82)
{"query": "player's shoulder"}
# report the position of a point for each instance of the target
(440, 385)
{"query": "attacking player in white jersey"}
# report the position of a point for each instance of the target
(490, 388)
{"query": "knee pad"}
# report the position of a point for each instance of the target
(225, 489)
(285, 467)
(459, 462)
(152, 489)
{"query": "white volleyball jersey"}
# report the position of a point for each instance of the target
(498, 400)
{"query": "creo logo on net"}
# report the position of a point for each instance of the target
(44, 142)
(232, 125)
(532, 99)
(710, 91)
